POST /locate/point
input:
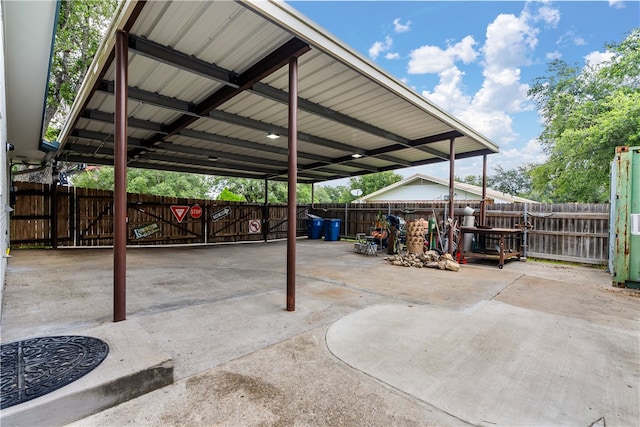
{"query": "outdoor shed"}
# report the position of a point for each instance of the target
(421, 188)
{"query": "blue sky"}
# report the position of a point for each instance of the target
(477, 59)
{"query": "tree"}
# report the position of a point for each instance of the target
(252, 190)
(338, 194)
(587, 113)
(374, 182)
(229, 196)
(470, 179)
(147, 181)
(81, 27)
(515, 182)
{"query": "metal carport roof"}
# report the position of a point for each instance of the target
(208, 80)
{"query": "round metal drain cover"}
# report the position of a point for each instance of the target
(37, 366)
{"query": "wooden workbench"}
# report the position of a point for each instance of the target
(508, 247)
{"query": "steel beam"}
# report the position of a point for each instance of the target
(319, 110)
(180, 60)
(187, 108)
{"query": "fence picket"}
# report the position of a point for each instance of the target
(565, 232)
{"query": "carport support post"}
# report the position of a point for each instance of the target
(483, 204)
(120, 177)
(265, 212)
(452, 162)
(292, 215)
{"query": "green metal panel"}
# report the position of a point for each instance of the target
(626, 216)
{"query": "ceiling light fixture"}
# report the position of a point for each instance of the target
(272, 135)
(356, 155)
(212, 158)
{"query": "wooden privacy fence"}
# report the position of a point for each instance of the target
(46, 216)
(66, 216)
(564, 232)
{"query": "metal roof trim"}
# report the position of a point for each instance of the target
(28, 34)
(287, 17)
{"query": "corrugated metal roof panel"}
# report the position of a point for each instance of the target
(187, 55)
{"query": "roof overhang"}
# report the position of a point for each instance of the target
(29, 30)
(460, 186)
(208, 80)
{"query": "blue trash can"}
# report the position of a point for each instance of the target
(314, 228)
(332, 229)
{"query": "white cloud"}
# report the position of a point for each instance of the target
(618, 4)
(510, 41)
(570, 38)
(392, 55)
(495, 125)
(553, 55)
(548, 15)
(449, 93)
(503, 91)
(401, 28)
(531, 153)
(379, 47)
(432, 59)
(595, 59)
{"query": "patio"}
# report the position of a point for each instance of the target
(369, 343)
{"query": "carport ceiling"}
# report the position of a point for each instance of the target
(209, 80)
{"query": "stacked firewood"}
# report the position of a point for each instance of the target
(431, 259)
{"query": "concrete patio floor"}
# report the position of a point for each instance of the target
(369, 343)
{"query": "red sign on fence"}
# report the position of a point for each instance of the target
(196, 211)
(254, 226)
(179, 211)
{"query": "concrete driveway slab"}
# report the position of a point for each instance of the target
(241, 359)
(496, 364)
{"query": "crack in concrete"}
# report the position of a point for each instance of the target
(507, 285)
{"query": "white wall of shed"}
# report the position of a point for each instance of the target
(421, 191)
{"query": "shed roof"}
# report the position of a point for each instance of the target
(460, 186)
(208, 80)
